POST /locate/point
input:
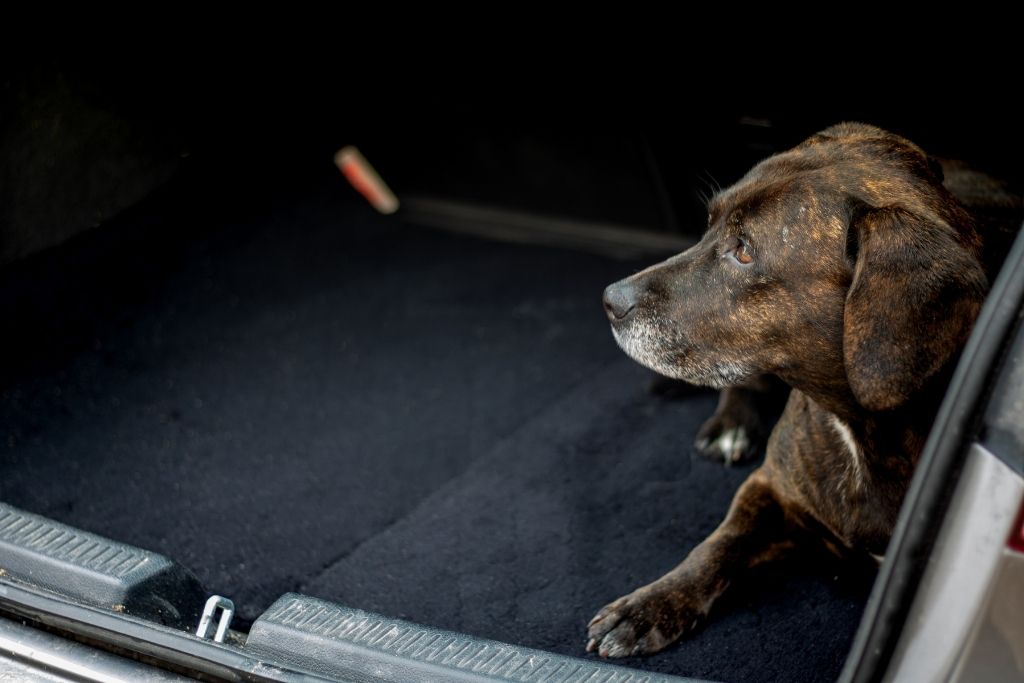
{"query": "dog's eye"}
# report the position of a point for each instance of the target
(739, 250)
(742, 253)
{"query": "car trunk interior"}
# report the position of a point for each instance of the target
(215, 349)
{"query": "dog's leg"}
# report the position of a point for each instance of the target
(756, 529)
(739, 429)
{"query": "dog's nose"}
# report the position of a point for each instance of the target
(619, 301)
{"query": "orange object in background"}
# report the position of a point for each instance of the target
(365, 179)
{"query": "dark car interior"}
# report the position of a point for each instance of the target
(216, 349)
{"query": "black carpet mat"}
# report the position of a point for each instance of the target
(306, 396)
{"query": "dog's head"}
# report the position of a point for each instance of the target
(840, 263)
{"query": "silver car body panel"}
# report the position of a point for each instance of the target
(966, 620)
(28, 654)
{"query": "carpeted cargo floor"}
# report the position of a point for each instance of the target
(284, 391)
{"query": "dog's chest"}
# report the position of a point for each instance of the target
(822, 464)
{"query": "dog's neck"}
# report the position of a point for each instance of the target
(892, 435)
(826, 384)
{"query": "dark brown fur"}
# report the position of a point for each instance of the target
(865, 280)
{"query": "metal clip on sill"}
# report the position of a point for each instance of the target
(228, 611)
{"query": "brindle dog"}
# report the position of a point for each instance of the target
(845, 268)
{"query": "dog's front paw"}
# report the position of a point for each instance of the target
(641, 623)
(729, 443)
(739, 429)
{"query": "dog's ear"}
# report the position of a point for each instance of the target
(917, 288)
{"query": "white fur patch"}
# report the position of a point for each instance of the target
(731, 444)
(855, 466)
(878, 558)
